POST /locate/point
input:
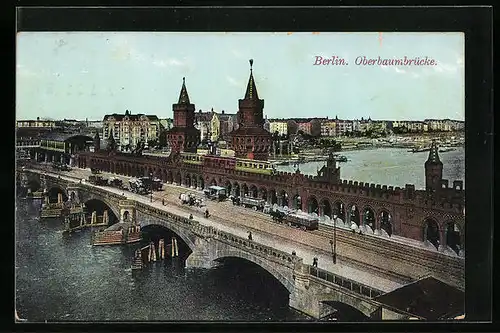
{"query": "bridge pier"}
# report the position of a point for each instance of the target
(202, 255)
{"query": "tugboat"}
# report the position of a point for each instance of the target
(446, 149)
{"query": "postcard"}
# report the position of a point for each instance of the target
(231, 176)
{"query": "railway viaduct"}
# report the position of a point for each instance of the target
(308, 287)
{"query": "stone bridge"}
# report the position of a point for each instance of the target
(308, 287)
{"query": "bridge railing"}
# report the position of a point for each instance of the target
(236, 241)
(344, 282)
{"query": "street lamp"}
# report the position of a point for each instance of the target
(333, 243)
(151, 186)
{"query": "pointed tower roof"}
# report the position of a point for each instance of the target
(184, 97)
(251, 92)
(111, 141)
(433, 153)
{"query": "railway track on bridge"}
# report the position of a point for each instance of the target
(316, 241)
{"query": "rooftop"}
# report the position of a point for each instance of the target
(427, 298)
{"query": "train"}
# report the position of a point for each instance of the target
(229, 163)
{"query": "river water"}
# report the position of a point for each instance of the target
(390, 166)
(62, 277)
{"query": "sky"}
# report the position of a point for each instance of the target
(86, 75)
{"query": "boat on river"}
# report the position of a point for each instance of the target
(446, 149)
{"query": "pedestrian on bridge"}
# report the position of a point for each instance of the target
(163, 201)
(190, 216)
(315, 262)
(249, 235)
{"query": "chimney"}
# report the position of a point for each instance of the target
(222, 111)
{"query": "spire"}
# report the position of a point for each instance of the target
(184, 97)
(251, 88)
(111, 141)
(433, 153)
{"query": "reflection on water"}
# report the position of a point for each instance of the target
(62, 277)
(390, 166)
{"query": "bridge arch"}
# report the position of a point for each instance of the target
(187, 238)
(273, 197)
(326, 208)
(312, 205)
(350, 300)
(287, 282)
(54, 190)
(384, 221)
(369, 217)
(454, 236)
(254, 192)
(86, 197)
(431, 232)
(339, 210)
(99, 206)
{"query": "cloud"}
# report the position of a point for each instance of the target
(23, 71)
(233, 81)
(236, 53)
(169, 62)
(443, 67)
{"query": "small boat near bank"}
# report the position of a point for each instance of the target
(446, 149)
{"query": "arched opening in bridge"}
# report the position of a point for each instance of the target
(178, 179)
(354, 215)
(431, 232)
(253, 191)
(187, 180)
(327, 208)
(453, 236)
(244, 190)
(101, 209)
(273, 197)
(237, 190)
(297, 202)
(202, 183)
(263, 193)
(345, 312)
(34, 185)
(386, 222)
(284, 199)
(154, 232)
(228, 186)
(369, 218)
(54, 194)
(213, 182)
(339, 210)
(312, 205)
(250, 283)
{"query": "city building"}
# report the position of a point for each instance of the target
(278, 125)
(203, 123)
(251, 140)
(38, 123)
(129, 129)
(227, 123)
(343, 126)
(328, 128)
(183, 136)
(309, 126)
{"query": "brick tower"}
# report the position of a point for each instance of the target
(251, 140)
(433, 169)
(183, 136)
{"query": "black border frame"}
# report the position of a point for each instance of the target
(476, 22)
